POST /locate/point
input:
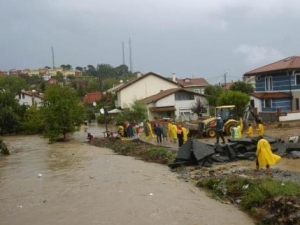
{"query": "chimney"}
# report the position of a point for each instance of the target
(174, 77)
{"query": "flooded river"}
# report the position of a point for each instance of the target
(83, 184)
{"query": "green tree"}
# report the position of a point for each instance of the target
(137, 111)
(59, 76)
(93, 85)
(109, 83)
(13, 84)
(79, 68)
(212, 93)
(9, 112)
(120, 70)
(91, 70)
(105, 70)
(61, 112)
(237, 98)
(242, 87)
(33, 121)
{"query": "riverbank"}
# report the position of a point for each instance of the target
(233, 182)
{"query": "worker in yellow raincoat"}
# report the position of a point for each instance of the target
(260, 129)
(170, 130)
(185, 134)
(249, 132)
(173, 132)
(121, 131)
(265, 156)
(239, 129)
(151, 134)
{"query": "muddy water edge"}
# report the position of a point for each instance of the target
(83, 184)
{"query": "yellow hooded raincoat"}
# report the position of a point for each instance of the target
(264, 154)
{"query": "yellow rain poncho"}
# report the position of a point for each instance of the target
(249, 132)
(239, 128)
(185, 134)
(150, 130)
(169, 129)
(265, 155)
(173, 132)
(260, 130)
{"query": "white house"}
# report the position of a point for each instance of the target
(173, 103)
(143, 86)
(29, 98)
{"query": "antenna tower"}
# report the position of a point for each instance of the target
(123, 53)
(130, 56)
(53, 64)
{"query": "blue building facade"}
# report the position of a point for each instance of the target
(277, 85)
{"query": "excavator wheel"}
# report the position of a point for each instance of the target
(229, 128)
(211, 132)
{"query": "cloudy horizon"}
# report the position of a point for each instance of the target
(192, 38)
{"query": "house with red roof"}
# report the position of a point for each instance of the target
(277, 86)
(193, 84)
(174, 103)
(29, 98)
(92, 97)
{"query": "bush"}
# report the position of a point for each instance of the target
(3, 148)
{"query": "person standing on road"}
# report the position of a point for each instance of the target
(260, 128)
(170, 130)
(158, 132)
(164, 132)
(249, 132)
(219, 129)
(174, 132)
(185, 134)
(180, 135)
(265, 156)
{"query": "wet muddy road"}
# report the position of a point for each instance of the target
(83, 184)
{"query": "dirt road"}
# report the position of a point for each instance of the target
(82, 184)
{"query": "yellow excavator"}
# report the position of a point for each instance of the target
(230, 118)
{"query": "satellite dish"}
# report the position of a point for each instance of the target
(102, 111)
(94, 103)
(121, 81)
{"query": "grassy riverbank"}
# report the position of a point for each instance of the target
(268, 200)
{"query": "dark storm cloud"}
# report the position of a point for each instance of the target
(191, 38)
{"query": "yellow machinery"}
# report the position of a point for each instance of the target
(228, 114)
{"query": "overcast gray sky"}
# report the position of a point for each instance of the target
(192, 38)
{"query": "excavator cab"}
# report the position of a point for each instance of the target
(226, 112)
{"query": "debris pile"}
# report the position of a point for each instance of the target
(194, 152)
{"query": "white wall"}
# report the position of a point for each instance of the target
(27, 100)
(179, 105)
(290, 117)
(150, 85)
(257, 103)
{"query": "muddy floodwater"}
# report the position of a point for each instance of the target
(83, 184)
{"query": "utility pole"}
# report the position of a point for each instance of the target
(53, 64)
(225, 85)
(130, 56)
(123, 53)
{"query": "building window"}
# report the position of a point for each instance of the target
(182, 96)
(268, 103)
(197, 91)
(297, 79)
(297, 103)
(185, 113)
(269, 83)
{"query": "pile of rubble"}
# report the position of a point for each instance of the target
(194, 152)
